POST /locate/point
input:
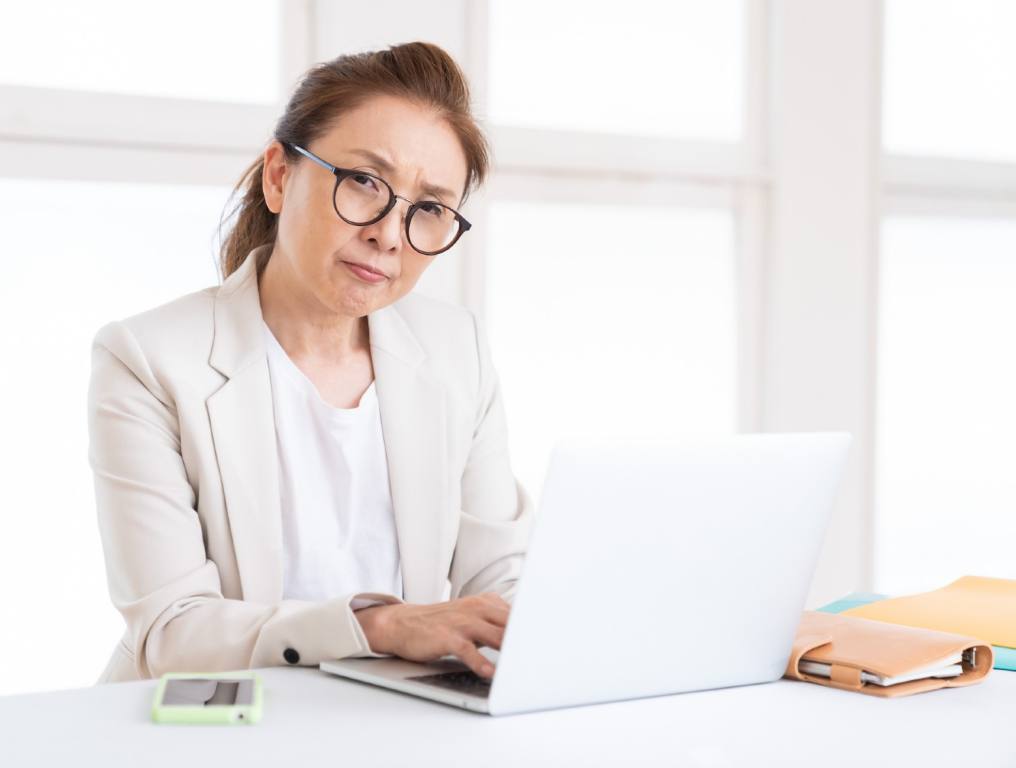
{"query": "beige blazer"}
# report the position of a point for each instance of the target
(183, 449)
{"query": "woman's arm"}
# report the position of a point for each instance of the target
(497, 510)
(495, 522)
(159, 575)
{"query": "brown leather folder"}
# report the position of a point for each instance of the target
(853, 646)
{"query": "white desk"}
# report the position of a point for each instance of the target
(312, 718)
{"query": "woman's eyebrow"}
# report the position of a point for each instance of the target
(387, 167)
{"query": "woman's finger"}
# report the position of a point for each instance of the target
(464, 649)
(497, 614)
(484, 633)
(493, 610)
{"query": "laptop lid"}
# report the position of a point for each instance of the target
(657, 567)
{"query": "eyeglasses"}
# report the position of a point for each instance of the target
(361, 198)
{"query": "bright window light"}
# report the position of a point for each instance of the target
(950, 78)
(76, 256)
(610, 320)
(946, 434)
(641, 67)
(227, 50)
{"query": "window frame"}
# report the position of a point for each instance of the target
(720, 174)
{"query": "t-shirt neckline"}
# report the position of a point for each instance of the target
(303, 382)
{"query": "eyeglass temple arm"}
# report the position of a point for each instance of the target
(311, 156)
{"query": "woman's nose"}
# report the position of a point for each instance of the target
(391, 229)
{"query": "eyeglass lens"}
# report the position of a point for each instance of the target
(360, 198)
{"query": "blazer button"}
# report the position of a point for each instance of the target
(291, 655)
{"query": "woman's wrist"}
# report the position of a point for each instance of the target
(372, 622)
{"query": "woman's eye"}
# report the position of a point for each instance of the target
(434, 209)
(364, 180)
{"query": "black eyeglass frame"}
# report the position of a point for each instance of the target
(342, 173)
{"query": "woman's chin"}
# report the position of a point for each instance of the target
(356, 300)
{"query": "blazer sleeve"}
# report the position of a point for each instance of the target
(497, 510)
(159, 575)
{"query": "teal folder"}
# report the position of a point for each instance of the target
(1005, 658)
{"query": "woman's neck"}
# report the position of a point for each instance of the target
(304, 328)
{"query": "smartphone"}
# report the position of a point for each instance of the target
(223, 698)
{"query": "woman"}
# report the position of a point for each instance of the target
(305, 462)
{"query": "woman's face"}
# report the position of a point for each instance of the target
(316, 246)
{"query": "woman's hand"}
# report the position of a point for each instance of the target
(428, 632)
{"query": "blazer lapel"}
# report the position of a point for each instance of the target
(413, 422)
(241, 414)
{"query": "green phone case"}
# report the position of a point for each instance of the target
(216, 714)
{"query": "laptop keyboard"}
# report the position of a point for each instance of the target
(464, 681)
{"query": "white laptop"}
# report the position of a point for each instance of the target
(654, 567)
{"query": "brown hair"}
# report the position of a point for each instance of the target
(420, 72)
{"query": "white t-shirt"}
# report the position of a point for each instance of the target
(338, 524)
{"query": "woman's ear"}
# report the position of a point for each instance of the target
(273, 176)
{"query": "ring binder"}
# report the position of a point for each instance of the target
(853, 646)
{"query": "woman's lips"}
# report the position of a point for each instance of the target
(364, 273)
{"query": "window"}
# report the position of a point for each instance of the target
(614, 280)
(117, 176)
(611, 319)
(644, 67)
(944, 488)
(950, 77)
(227, 50)
(77, 255)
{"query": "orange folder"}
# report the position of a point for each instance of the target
(981, 607)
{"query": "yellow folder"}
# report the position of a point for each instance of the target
(973, 605)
